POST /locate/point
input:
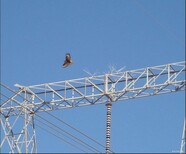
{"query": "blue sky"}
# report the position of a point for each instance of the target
(36, 34)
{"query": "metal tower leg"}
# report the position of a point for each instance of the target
(182, 148)
(108, 127)
(20, 139)
(15, 138)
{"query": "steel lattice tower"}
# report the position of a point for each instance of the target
(24, 103)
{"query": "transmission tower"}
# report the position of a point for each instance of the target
(19, 110)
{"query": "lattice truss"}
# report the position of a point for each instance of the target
(17, 130)
(98, 89)
(113, 87)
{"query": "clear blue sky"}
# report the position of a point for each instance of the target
(36, 34)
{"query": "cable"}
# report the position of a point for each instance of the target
(73, 128)
(55, 134)
(60, 138)
(76, 129)
(69, 134)
(63, 123)
(61, 130)
(55, 125)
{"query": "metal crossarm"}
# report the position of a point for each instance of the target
(99, 89)
(23, 104)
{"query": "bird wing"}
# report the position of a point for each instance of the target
(66, 64)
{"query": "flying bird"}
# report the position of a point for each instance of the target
(68, 60)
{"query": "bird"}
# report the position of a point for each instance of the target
(67, 61)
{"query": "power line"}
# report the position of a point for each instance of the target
(70, 135)
(95, 150)
(56, 135)
(61, 122)
(77, 130)
(61, 138)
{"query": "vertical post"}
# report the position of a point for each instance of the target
(182, 148)
(25, 124)
(168, 69)
(108, 127)
(106, 83)
(33, 125)
(34, 137)
(147, 72)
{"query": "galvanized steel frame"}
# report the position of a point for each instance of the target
(113, 87)
(92, 90)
